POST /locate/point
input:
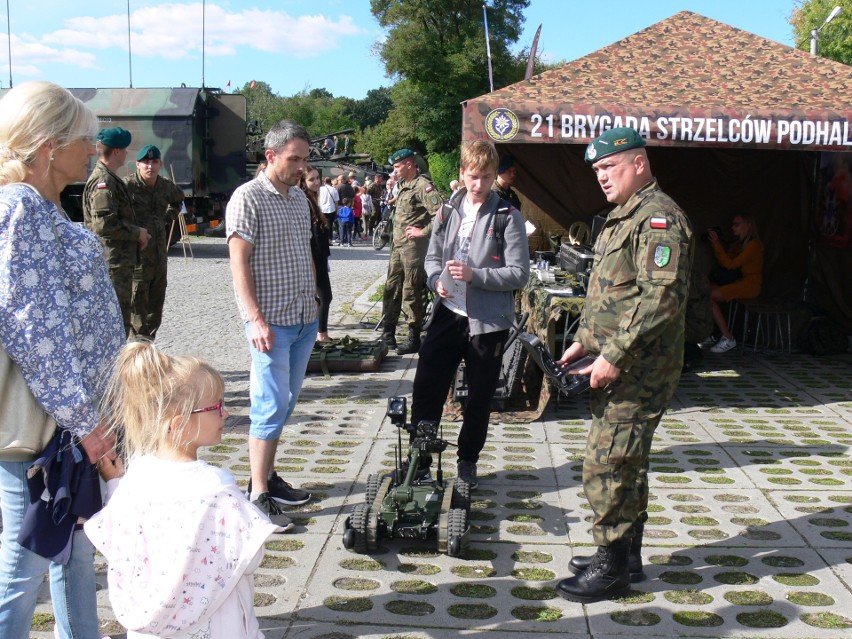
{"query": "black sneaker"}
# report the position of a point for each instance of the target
(466, 472)
(266, 504)
(283, 492)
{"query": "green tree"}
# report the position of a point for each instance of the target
(835, 39)
(374, 108)
(262, 105)
(437, 47)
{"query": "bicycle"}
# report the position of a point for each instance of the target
(378, 242)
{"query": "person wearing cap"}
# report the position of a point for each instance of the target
(507, 173)
(108, 212)
(157, 203)
(353, 179)
(416, 204)
(633, 321)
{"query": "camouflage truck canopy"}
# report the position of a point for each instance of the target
(200, 133)
(722, 111)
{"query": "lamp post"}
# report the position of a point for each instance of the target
(815, 32)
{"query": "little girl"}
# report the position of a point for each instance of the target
(180, 538)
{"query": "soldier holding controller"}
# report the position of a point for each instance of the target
(633, 319)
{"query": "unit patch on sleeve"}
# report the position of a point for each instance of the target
(662, 255)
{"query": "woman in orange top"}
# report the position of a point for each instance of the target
(746, 254)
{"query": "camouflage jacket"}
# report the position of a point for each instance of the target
(634, 310)
(107, 211)
(416, 205)
(507, 194)
(156, 207)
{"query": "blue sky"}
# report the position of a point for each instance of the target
(294, 44)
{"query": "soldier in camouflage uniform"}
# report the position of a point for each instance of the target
(107, 211)
(507, 173)
(633, 320)
(416, 204)
(157, 203)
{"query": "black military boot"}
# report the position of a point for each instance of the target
(389, 335)
(607, 576)
(634, 558)
(413, 343)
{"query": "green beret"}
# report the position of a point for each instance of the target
(506, 163)
(115, 137)
(613, 141)
(400, 155)
(148, 152)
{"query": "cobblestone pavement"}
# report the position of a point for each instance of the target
(751, 478)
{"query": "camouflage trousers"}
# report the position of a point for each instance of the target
(122, 281)
(149, 297)
(406, 284)
(625, 415)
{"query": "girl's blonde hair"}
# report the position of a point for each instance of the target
(33, 113)
(148, 389)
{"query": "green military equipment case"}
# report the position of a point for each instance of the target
(347, 354)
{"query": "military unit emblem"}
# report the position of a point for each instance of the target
(662, 255)
(501, 124)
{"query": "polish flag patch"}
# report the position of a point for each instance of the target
(102, 185)
(659, 223)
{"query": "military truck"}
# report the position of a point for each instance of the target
(201, 133)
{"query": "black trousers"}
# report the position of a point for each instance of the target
(448, 342)
(323, 295)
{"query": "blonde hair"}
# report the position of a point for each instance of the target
(752, 228)
(148, 389)
(479, 155)
(33, 113)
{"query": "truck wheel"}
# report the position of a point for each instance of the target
(457, 530)
(359, 520)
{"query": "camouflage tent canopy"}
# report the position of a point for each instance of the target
(734, 123)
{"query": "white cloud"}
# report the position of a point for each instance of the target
(28, 56)
(174, 31)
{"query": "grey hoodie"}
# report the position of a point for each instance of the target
(500, 267)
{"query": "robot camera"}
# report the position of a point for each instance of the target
(397, 409)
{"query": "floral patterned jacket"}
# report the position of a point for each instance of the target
(59, 316)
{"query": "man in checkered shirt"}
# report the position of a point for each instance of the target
(269, 232)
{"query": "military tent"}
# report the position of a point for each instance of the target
(734, 123)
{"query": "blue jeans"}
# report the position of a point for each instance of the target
(72, 586)
(345, 233)
(277, 376)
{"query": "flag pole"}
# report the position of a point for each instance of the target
(129, 54)
(203, 25)
(488, 49)
(9, 40)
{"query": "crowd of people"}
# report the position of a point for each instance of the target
(63, 283)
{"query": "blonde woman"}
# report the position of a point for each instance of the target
(746, 254)
(60, 323)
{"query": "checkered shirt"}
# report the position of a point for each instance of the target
(279, 229)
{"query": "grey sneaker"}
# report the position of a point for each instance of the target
(724, 345)
(268, 507)
(466, 472)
